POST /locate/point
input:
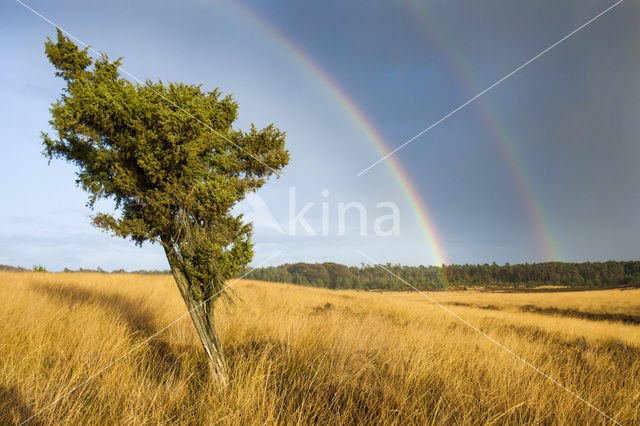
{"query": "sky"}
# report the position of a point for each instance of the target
(542, 167)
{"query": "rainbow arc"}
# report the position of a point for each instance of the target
(419, 207)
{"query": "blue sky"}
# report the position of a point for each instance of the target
(570, 117)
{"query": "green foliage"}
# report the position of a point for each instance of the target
(39, 268)
(336, 276)
(168, 156)
(332, 275)
(588, 274)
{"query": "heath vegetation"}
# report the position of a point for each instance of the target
(299, 355)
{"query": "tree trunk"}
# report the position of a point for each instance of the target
(202, 321)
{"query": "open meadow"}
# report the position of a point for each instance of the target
(299, 355)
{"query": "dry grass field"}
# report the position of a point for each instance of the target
(300, 355)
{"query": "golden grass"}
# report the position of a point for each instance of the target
(300, 355)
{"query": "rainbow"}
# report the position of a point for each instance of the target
(418, 206)
(498, 132)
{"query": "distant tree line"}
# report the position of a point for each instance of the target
(98, 270)
(12, 268)
(122, 271)
(375, 277)
(367, 277)
(337, 276)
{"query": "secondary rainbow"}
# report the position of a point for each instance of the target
(498, 132)
(418, 205)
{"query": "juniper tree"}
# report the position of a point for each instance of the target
(168, 156)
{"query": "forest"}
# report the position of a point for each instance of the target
(376, 277)
(368, 277)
